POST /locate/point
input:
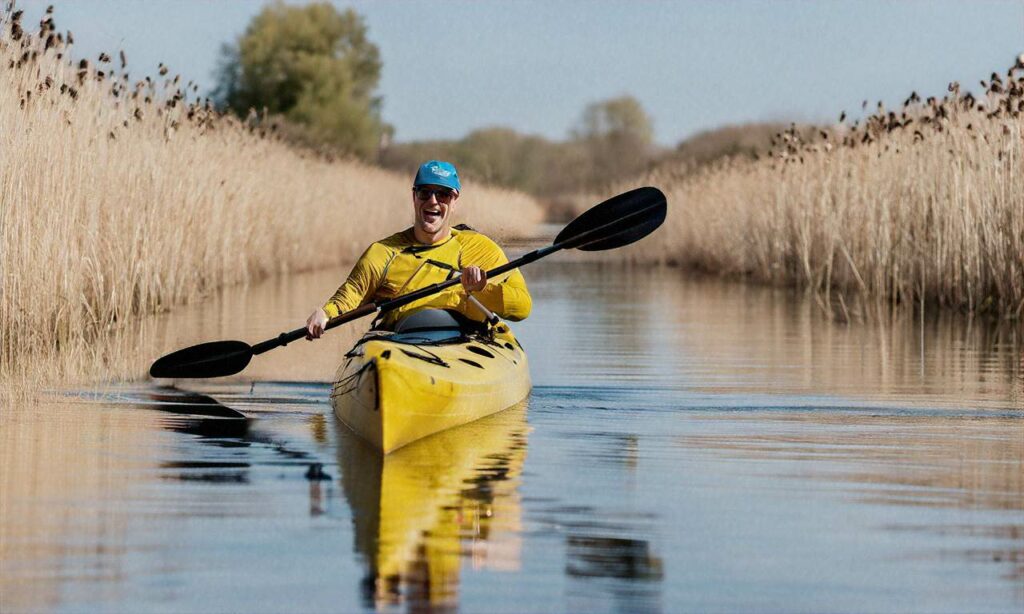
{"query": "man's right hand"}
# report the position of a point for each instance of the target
(315, 324)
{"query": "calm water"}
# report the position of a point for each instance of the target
(689, 445)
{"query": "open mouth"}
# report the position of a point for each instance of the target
(431, 216)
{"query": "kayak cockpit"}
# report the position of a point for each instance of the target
(427, 327)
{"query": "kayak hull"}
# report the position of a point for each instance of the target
(393, 393)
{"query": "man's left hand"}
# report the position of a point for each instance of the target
(474, 278)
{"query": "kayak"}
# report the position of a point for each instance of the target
(431, 374)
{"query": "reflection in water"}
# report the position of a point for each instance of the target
(632, 574)
(694, 445)
(612, 448)
(910, 461)
(233, 431)
(925, 460)
(52, 454)
(71, 478)
(617, 327)
(229, 431)
(611, 557)
(172, 400)
(247, 313)
(421, 509)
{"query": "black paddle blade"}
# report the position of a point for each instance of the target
(215, 359)
(618, 221)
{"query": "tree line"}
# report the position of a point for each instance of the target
(314, 72)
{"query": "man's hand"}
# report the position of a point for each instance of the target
(315, 324)
(474, 278)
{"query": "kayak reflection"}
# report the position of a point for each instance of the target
(419, 511)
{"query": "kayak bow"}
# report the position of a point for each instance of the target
(395, 388)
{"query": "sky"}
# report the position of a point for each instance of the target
(452, 67)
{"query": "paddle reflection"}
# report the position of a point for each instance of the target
(175, 401)
(611, 557)
(214, 424)
(423, 510)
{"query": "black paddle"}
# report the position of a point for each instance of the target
(616, 222)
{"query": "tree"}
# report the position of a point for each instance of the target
(622, 117)
(617, 136)
(312, 65)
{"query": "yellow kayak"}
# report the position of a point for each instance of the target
(429, 375)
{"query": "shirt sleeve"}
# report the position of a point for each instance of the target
(506, 295)
(362, 282)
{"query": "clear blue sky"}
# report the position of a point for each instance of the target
(450, 67)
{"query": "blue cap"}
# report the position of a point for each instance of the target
(436, 172)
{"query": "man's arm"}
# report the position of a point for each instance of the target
(361, 283)
(359, 287)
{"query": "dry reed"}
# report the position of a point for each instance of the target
(923, 205)
(121, 198)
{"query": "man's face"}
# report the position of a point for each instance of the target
(434, 206)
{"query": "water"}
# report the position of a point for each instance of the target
(689, 445)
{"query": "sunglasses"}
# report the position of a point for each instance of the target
(443, 195)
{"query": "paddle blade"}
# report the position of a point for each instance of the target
(215, 359)
(618, 221)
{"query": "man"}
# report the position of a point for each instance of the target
(430, 251)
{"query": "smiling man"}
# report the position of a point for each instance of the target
(429, 252)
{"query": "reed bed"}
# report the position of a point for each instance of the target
(922, 205)
(120, 198)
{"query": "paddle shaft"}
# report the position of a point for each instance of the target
(405, 299)
(395, 303)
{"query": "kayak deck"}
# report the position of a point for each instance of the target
(393, 389)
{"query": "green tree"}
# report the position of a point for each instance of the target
(622, 117)
(617, 136)
(313, 65)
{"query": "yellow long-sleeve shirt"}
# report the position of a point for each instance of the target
(399, 265)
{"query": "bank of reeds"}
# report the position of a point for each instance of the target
(121, 197)
(921, 205)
